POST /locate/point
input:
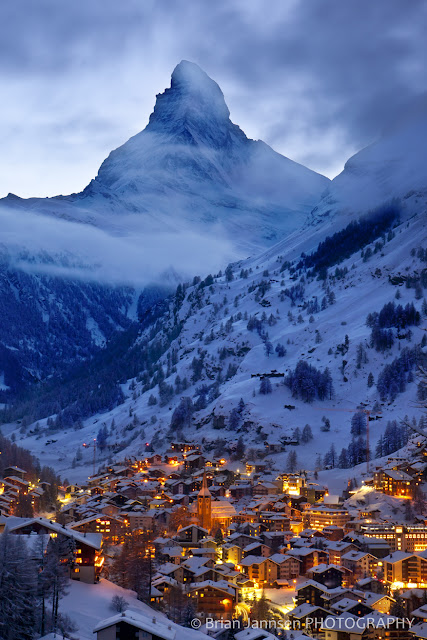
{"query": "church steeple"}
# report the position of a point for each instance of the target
(204, 506)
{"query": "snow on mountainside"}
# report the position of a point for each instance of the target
(267, 312)
(191, 168)
(189, 192)
(223, 326)
(392, 167)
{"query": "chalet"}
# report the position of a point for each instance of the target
(191, 535)
(378, 601)
(257, 569)
(274, 521)
(330, 575)
(88, 560)
(243, 539)
(276, 539)
(18, 482)
(309, 557)
(256, 549)
(242, 490)
(231, 553)
(111, 527)
(134, 625)
(274, 447)
(193, 461)
(14, 471)
(320, 516)
(196, 569)
(313, 492)
(214, 599)
(412, 599)
(217, 491)
(312, 592)
(406, 568)
(265, 489)
(355, 608)
(307, 616)
(255, 467)
(293, 483)
(395, 482)
(164, 584)
(360, 563)
(421, 613)
(288, 567)
(333, 533)
(419, 631)
(142, 520)
(370, 584)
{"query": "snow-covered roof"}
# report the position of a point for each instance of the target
(91, 539)
(355, 556)
(220, 585)
(321, 568)
(250, 560)
(139, 621)
(397, 556)
(420, 630)
(304, 610)
(421, 612)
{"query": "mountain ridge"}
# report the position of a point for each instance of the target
(191, 167)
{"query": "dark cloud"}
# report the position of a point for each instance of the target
(316, 80)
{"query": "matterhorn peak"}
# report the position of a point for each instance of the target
(191, 80)
(193, 168)
(193, 103)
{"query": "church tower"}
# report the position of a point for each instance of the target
(204, 505)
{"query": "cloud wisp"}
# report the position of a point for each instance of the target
(44, 245)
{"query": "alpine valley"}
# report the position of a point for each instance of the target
(308, 306)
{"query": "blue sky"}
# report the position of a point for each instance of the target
(315, 80)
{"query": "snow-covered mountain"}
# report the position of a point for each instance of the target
(305, 299)
(192, 169)
(190, 191)
(268, 314)
(392, 167)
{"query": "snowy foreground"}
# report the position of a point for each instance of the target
(89, 604)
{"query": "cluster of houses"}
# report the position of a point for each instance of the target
(400, 478)
(221, 535)
(13, 485)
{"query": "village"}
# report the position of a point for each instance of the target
(230, 544)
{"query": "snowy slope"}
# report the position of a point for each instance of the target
(89, 604)
(392, 167)
(207, 326)
(191, 168)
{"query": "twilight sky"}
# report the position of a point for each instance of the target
(317, 80)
